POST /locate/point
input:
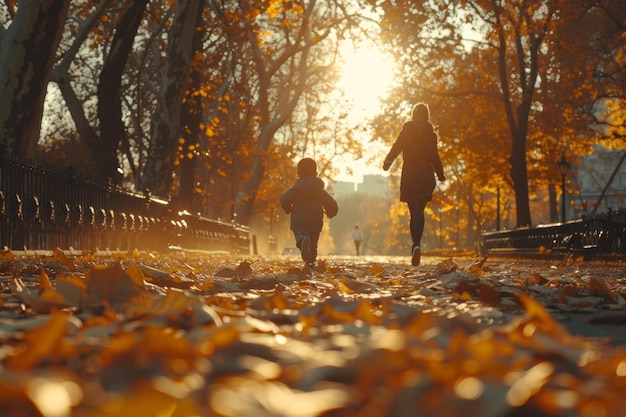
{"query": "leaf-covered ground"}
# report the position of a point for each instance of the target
(199, 335)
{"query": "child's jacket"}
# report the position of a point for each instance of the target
(307, 201)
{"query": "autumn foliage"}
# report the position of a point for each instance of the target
(183, 335)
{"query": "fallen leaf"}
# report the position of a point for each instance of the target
(243, 270)
(60, 257)
(111, 285)
(599, 287)
(7, 254)
(44, 281)
(41, 343)
(446, 267)
(226, 273)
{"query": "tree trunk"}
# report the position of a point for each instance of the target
(244, 201)
(165, 126)
(275, 107)
(27, 52)
(112, 128)
(191, 118)
(519, 175)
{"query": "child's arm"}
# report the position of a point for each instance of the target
(286, 201)
(330, 205)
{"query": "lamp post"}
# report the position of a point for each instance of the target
(498, 208)
(563, 167)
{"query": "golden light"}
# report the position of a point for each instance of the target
(366, 76)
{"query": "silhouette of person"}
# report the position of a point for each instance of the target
(417, 141)
(357, 237)
(307, 201)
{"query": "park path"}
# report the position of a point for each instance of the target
(199, 334)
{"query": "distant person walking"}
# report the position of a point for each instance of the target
(417, 142)
(357, 237)
(307, 201)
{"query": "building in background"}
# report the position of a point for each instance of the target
(600, 182)
(366, 203)
(374, 185)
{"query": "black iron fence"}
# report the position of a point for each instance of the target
(43, 208)
(603, 234)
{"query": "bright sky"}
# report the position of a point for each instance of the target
(367, 75)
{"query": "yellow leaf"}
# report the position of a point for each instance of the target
(44, 281)
(41, 343)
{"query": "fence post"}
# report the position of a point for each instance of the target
(4, 241)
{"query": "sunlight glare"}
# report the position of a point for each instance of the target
(366, 76)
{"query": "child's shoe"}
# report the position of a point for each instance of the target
(417, 254)
(305, 249)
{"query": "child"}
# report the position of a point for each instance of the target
(307, 201)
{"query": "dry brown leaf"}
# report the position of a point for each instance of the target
(226, 273)
(7, 254)
(44, 281)
(447, 266)
(111, 285)
(476, 268)
(45, 302)
(39, 301)
(243, 270)
(538, 279)
(174, 303)
(60, 257)
(351, 285)
(488, 295)
(42, 343)
(278, 300)
(160, 278)
(377, 270)
(73, 289)
(599, 287)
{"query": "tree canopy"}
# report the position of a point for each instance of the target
(211, 103)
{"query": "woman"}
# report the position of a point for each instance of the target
(418, 144)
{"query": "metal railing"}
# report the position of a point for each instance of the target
(42, 208)
(602, 234)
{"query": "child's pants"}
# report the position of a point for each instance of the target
(314, 238)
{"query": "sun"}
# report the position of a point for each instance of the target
(366, 76)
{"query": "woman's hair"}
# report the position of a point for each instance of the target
(307, 168)
(421, 112)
